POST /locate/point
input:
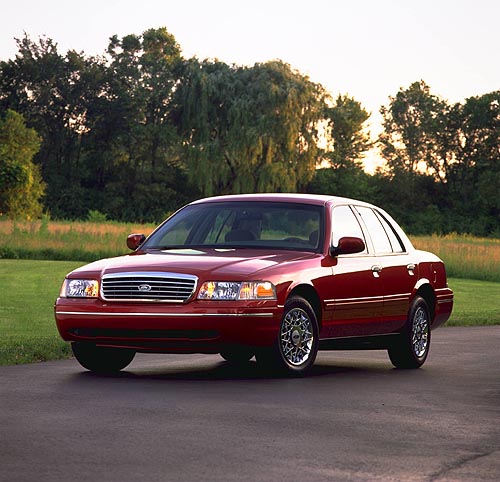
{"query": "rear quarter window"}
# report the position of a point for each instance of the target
(376, 231)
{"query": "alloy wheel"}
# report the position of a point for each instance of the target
(420, 332)
(296, 337)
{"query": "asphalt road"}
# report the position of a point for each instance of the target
(196, 418)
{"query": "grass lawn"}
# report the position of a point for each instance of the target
(29, 288)
(27, 328)
(476, 302)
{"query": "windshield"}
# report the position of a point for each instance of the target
(241, 224)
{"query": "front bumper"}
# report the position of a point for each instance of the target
(196, 327)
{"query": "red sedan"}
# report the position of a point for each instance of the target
(275, 276)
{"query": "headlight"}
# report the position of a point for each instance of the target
(233, 290)
(79, 288)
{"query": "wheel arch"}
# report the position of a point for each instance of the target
(308, 292)
(427, 293)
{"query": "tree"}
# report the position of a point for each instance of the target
(347, 141)
(21, 186)
(443, 160)
(53, 93)
(410, 126)
(352, 182)
(475, 175)
(108, 140)
(143, 75)
(350, 140)
(410, 144)
(248, 129)
(134, 138)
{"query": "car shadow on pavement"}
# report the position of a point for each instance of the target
(244, 371)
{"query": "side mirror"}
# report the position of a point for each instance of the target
(135, 240)
(348, 245)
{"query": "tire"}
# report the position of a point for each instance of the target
(296, 347)
(237, 355)
(412, 346)
(102, 359)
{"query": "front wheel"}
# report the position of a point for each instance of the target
(413, 344)
(296, 348)
(102, 359)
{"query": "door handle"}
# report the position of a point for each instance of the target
(376, 270)
(411, 268)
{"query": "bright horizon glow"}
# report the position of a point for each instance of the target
(367, 50)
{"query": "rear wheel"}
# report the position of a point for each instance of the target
(102, 359)
(296, 348)
(412, 346)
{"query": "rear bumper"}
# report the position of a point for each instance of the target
(197, 327)
(444, 306)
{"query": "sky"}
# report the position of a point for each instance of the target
(366, 49)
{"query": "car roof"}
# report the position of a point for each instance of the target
(317, 199)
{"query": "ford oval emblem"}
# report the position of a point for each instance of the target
(144, 288)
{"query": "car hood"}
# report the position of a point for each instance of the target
(228, 263)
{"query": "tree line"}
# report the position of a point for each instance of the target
(140, 130)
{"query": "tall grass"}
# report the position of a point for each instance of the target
(64, 240)
(465, 256)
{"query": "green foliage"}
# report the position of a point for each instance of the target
(248, 129)
(102, 119)
(349, 181)
(95, 216)
(409, 126)
(21, 186)
(142, 176)
(54, 93)
(475, 176)
(139, 131)
(442, 162)
(350, 141)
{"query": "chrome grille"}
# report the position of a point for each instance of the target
(148, 286)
